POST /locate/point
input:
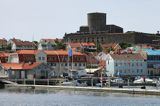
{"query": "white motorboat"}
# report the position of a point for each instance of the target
(141, 80)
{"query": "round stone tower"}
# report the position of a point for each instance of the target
(97, 22)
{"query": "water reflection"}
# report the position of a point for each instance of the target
(32, 97)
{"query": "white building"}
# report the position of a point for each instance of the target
(126, 65)
(61, 63)
(47, 44)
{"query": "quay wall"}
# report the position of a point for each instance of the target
(96, 89)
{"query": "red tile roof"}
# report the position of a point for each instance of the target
(61, 52)
(28, 52)
(48, 52)
(20, 66)
(3, 54)
(75, 45)
(88, 44)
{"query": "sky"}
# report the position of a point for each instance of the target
(36, 19)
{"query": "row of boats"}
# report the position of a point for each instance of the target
(140, 80)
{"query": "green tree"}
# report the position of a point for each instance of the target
(99, 48)
(9, 46)
(60, 45)
(125, 45)
(36, 44)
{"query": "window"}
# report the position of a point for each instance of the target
(137, 63)
(65, 58)
(116, 71)
(128, 70)
(62, 64)
(120, 71)
(75, 64)
(43, 58)
(83, 64)
(137, 70)
(88, 40)
(48, 58)
(79, 64)
(102, 39)
(120, 64)
(65, 64)
(78, 59)
(92, 39)
(83, 39)
(39, 58)
(97, 39)
(128, 64)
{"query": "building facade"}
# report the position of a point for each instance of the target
(153, 61)
(63, 64)
(103, 37)
(3, 44)
(58, 60)
(46, 44)
(126, 65)
(26, 70)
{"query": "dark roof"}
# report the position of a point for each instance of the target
(3, 41)
(19, 42)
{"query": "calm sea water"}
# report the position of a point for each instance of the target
(73, 98)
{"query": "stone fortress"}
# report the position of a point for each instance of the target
(98, 31)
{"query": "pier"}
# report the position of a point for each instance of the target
(96, 89)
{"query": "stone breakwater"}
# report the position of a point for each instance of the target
(97, 89)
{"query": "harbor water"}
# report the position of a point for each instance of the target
(73, 98)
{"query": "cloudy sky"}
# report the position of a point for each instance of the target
(35, 19)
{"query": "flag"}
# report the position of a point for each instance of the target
(69, 51)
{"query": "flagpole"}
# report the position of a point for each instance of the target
(70, 59)
(72, 65)
(68, 64)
